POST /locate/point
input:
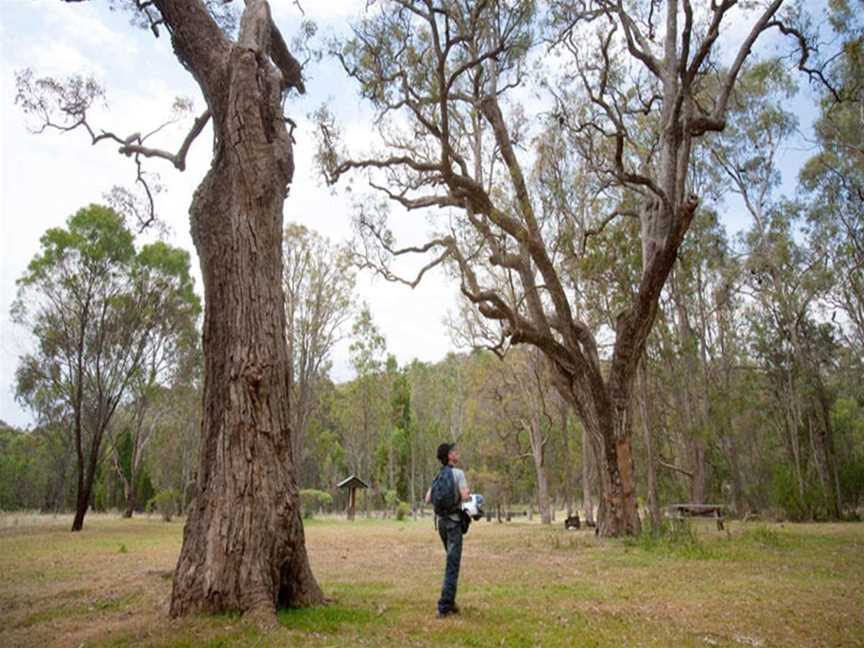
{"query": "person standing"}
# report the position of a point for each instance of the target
(448, 491)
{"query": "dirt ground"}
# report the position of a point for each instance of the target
(522, 584)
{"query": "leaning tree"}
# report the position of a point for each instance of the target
(243, 544)
(629, 88)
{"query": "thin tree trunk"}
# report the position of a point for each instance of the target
(413, 491)
(86, 477)
(587, 463)
(697, 460)
(651, 468)
(569, 486)
(82, 497)
(826, 443)
(731, 446)
(538, 454)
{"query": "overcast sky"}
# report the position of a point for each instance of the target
(45, 178)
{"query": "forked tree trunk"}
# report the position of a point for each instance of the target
(243, 544)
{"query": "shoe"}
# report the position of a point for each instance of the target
(453, 610)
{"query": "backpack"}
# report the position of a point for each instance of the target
(445, 498)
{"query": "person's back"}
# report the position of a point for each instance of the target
(448, 519)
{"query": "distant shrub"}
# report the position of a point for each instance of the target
(402, 510)
(164, 503)
(312, 501)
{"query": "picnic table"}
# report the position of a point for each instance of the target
(684, 511)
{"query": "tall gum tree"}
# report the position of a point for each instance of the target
(445, 76)
(243, 544)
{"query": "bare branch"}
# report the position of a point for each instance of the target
(178, 159)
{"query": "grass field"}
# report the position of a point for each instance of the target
(521, 585)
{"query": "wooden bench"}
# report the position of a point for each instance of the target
(685, 511)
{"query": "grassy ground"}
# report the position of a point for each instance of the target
(521, 585)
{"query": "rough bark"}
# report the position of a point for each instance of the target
(243, 544)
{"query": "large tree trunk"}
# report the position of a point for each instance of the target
(621, 513)
(609, 428)
(243, 544)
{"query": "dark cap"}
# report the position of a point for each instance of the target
(444, 450)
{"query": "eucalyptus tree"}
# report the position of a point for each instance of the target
(514, 402)
(236, 221)
(401, 460)
(99, 310)
(446, 76)
(834, 177)
(319, 285)
(166, 270)
(786, 280)
(364, 405)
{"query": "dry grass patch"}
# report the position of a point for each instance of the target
(522, 585)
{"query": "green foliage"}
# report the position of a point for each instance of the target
(367, 344)
(312, 501)
(96, 237)
(166, 503)
(787, 495)
(402, 510)
(25, 468)
(110, 322)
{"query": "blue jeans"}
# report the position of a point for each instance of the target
(450, 532)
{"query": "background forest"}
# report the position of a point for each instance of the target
(750, 391)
